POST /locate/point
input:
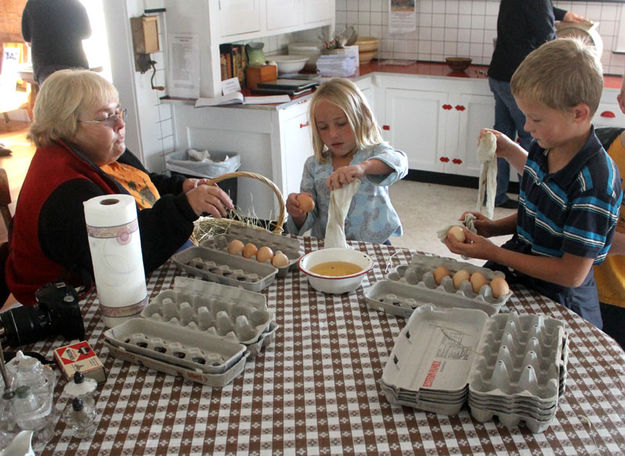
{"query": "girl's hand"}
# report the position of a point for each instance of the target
(209, 199)
(474, 246)
(293, 208)
(483, 225)
(344, 175)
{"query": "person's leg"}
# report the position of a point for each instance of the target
(505, 123)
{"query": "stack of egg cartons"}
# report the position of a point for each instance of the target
(509, 366)
(337, 65)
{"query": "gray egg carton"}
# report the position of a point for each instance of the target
(221, 267)
(413, 285)
(176, 346)
(508, 365)
(289, 246)
(232, 313)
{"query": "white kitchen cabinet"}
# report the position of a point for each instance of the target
(229, 21)
(435, 120)
(239, 16)
(271, 141)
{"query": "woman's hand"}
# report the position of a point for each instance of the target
(192, 182)
(209, 199)
(294, 209)
(345, 174)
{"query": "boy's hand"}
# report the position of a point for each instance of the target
(508, 149)
(474, 246)
(484, 226)
(345, 174)
(575, 18)
(293, 208)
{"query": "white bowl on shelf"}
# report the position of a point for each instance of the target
(289, 63)
(335, 284)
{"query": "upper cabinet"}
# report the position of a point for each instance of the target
(230, 21)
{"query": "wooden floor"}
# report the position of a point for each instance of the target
(13, 136)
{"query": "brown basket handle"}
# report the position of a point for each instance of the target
(264, 180)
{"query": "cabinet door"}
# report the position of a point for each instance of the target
(476, 112)
(415, 123)
(239, 16)
(283, 14)
(296, 147)
(318, 10)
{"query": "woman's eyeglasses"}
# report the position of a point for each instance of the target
(110, 120)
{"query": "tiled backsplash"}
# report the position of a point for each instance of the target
(464, 28)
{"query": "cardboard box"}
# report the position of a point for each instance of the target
(80, 357)
(262, 73)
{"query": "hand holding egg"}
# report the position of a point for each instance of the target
(306, 203)
(457, 232)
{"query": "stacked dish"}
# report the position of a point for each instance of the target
(199, 330)
(509, 366)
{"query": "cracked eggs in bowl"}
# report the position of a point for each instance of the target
(335, 270)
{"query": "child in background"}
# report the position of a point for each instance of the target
(570, 191)
(610, 275)
(348, 145)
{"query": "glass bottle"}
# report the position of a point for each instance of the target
(81, 418)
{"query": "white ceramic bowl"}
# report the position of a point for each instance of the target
(335, 284)
(289, 63)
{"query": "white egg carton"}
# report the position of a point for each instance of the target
(197, 330)
(413, 285)
(508, 365)
(176, 346)
(289, 246)
(221, 267)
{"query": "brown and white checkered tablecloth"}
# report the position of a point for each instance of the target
(315, 389)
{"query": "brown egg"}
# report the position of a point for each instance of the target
(439, 273)
(264, 254)
(500, 287)
(457, 232)
(280, 259)
(460, 277)
(478, 280)
(249, 250)
(235, 247)
(305, 201)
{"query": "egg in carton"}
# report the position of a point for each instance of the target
(508, 365)
(259, 238)
(219, 310)
(414, 284)
(220, 267)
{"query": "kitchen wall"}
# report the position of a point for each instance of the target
(465, 28)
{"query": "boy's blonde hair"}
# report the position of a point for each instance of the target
(347, 96)
(64, 96)
(561, 74)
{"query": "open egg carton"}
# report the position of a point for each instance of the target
(221, 267)
(409, 286)
(289, 246)
(201, 330)
(508, 365)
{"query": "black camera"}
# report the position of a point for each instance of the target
(56, 312)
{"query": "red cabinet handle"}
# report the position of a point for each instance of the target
(457, 161)
(460, 108)
(608, 114)
(304, 125)
(386, 127)
(444, 159)
(448, 107)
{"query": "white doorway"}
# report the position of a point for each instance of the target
(96, 46)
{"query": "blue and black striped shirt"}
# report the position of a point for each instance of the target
(573, 210)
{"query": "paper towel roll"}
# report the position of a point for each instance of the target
(115, 246)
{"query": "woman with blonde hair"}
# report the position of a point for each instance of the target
(79, 132)
(348, 145)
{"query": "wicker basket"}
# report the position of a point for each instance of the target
(224, 223)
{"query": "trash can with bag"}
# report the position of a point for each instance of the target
(202, 163)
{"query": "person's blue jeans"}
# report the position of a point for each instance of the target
(510, 121)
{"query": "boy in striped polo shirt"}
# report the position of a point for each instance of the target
(570, 191)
